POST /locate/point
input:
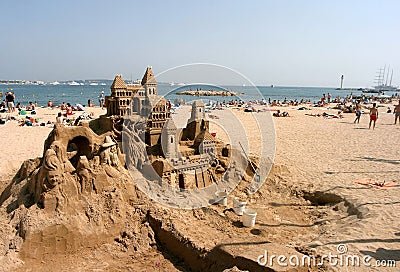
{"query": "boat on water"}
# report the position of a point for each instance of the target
(372, 91)
(94, 84)
(74, 83)
(381, 79)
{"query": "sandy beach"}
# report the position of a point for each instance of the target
(316, 153)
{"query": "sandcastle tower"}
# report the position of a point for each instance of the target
(169, 140)
(149, 82)
(197, 121)
(198, 111)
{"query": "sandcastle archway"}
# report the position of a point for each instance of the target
(81, 146)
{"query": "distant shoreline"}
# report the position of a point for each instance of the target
(208, 93)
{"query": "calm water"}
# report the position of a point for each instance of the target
(80, 94)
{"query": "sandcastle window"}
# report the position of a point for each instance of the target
(181, 181)
(172, 140)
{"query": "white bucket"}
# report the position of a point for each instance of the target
(249, 217)
(222, 198)
(239, 206)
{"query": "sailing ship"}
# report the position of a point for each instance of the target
(381, 80)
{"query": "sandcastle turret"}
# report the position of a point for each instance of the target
(169, 140)
(149, 82)
(198, 111)
(197, 122)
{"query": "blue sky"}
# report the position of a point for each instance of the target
(299, 43)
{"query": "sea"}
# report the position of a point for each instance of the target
(74, 94)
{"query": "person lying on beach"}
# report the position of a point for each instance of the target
(326, 115)
(373, 115)
(397, 113)
(250, 109)
(313, 114)
(333, 116)
(279, 114)
(28, 121)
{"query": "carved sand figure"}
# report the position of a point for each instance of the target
(63, 156)
(47, 177)
(105, 154)
(53, 168)
(84, 174)
(109, 157)
(114, 156)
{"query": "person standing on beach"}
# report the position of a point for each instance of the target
(329, 98)
(10, 101)
(397, 113)
(373, 115)
(101, 99)
(358, 112)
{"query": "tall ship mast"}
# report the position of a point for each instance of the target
(381, 79)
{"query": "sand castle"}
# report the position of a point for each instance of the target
(171, 153)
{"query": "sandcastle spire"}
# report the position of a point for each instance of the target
(118, 83)
(148, 76)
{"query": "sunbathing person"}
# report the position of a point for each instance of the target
(31, 107)
(279, 114)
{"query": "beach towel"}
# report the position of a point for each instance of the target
(377, 184)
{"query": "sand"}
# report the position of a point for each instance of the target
(326, 155)
(330, 155)
(22, 142)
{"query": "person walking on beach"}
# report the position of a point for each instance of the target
(10, 101)
(397, 113)
(373, 115)
(358, 112)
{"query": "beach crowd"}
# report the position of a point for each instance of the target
(69, 114)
